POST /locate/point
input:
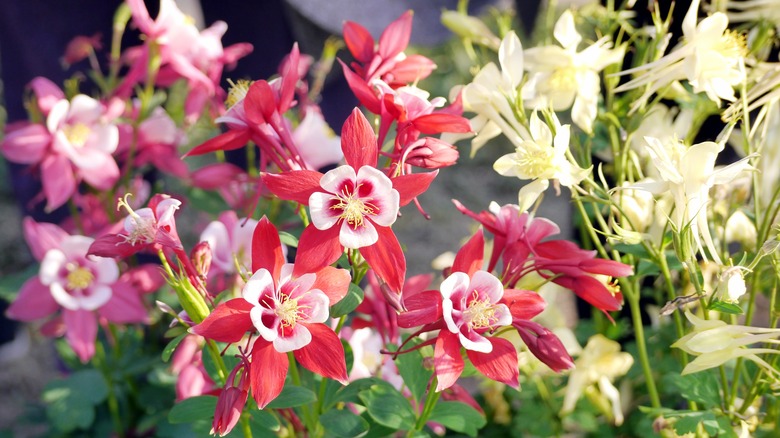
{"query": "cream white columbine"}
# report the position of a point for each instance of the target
(688, 173)
(541, 158)
(711, 58)
(562, 78)
(493, 96)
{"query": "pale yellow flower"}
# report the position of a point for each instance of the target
(560, 77)
(541, 158)
(710, 57)
(731, 284)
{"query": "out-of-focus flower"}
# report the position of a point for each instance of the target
(663, 123)
(157, 140)
(714, 342)
(541, 158)
(318, 145)
(80, 48)
(470, 28)
(711, 58)
(230, 240)
(731, 284)
(753, 10)
(192, 378)
(739, 228)
(600, 363)
(562, 78)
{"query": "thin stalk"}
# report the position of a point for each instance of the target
(632, 296)
(113, 403)
(430, 403)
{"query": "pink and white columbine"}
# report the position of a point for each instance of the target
(470, 307)
(355, 202)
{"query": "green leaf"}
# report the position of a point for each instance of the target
(701, 388)
(288, 239)
(730, 308)
(349, 393)
(70, 413)
(416, 376)
(344, 424)
(208, 201)
(293, 396)
(388, 407)
(349, 303)
(10, 284)
(262, 421)
(168, 350)
(193, 409)
(71, 401)
(458, 416)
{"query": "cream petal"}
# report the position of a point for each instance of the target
(530, 192)
(540, 131)
(510, 56)
(565, 31)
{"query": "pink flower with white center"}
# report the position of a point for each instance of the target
(230, 238)
(355, 202)
(470, 307)
(280, 313)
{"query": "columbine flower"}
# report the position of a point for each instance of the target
(352, 206)
(229, 239)
(601, 362)
(739, 228)
(288, 312)
(541, 158)
(753, 10)
(562, 78)
(711, 57)
(714, 342)
(83, 287)
(317, 144)
(688, 173)
(731, 284)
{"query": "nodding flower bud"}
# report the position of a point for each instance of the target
(201, 259)
(231, 401)
(431, 153)
(544, 345)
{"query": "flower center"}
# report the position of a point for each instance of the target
(732, 44)
(288, 311)
(77, 134)
(534, 161)
(237, 92)
(79, 278)
(563, 79)
(480, 313)
(143, 229)
(353, 209)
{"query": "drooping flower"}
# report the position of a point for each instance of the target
(229, 239)
(352, 206)
(288, 312)
(82, 287)
(711, 58)
(541, 158)
(562, 77)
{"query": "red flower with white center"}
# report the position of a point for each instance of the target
(288, 312)
(352, 206)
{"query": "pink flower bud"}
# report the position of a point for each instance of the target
(544, 345)
(229, 406)
(432, 154)
(79, 48)
(201, 259)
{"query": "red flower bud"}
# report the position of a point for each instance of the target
(432, 153)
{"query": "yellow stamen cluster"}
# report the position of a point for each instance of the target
(237, 92)
(289, 311)
(143, 231)
(480, 313)
(77, 134)
(535, 161)
(733, 44)
(79, 278)
(562, 79)
(353, 209)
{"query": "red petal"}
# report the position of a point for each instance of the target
(260, 102)
(113, 245)
(411, 69)
(324, 355)
(447, 359)
(395, 38)
(227, 323)
(469, 257)
(232, 139)
(387, 259)
(592, 291)
(317, 249)
(267, 248)
(81, 331)
(421, 308)
(441, 122)
(296, 185)
(267, 372)
(358, 141)
(333, 282)
(362, 91)
(125, 305)
(412, 185)
(290, 78)
(523, 304)
(359, 41)
(33, 302)
(500, 364)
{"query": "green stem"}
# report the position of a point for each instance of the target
(430, 403)
(632, 296)
(245, 429)
(76, 215)
(113, 403)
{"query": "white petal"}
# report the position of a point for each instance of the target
(103, 138)
(84, 109)
(268, 333)
(540, 131)
(298, 287)
(57, 115)
(446, 308)
(96, 296)
(453, 284)
(388, 206)
(487, 285)
(480, 343)
(565, 32)
(530, 192)
(76, 246)
(299, 338)
(510, 56)
(51, 265)
(62, 297)
(285, 274)
(216, 234)
(260, 282)
(364, 235)
(322, 216)
(317, 306)
(333, 180)
(106, 269)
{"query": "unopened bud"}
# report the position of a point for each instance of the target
(432, 154)
(739, 228)
(201, 259)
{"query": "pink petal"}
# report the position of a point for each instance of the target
(359, 41)
(47, 93)
(317, 249)
(441, 122)
(387, 259)
(469, 257)
(447, 360)
(358, 141)
(324, 355)
(227, 323)
(524, 304)
(81, 332)
(411, 69)
(290, 79)
(333, 282)
(487, 286)
(125, 305)
(42, 236)
(421, 308)
(361, 90)
(104, 174)
(232, 139)
(500, 364)
(215, 176)
(267, 248)
(260, 102)
(296, 185)
(395, 37)
(267, 372)
(113, 245)
(34, 301)
(26, 145)
(412, 185)
(59, 183)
